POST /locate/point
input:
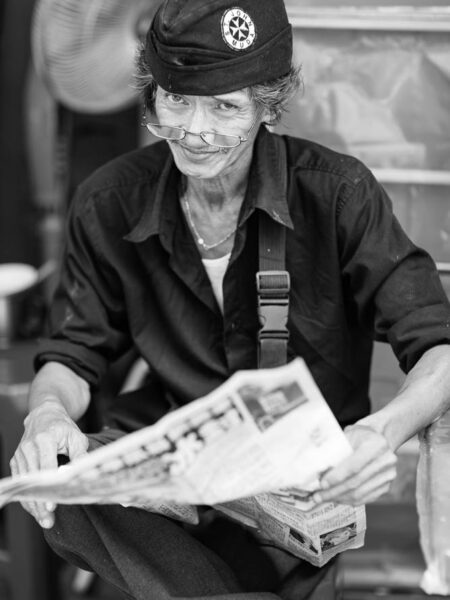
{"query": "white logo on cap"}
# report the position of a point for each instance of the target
(238, 29)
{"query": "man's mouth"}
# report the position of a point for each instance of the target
(197, 151)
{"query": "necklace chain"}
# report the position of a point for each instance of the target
(200, 240)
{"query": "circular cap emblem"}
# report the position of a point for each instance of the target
(238, 30)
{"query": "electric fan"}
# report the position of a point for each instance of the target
(85, 50)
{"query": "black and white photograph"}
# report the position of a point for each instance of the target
(224, 299)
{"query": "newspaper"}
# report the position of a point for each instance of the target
(254, 449)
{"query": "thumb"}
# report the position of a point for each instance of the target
(78, 445)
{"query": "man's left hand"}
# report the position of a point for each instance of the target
(365, 475)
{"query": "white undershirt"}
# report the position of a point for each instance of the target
(215, 269)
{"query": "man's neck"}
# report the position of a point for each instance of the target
(215, 193)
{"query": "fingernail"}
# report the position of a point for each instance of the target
(317, 498)
(46, 523)
(50, 506)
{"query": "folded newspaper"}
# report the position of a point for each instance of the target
(254, 449)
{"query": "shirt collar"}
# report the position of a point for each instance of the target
(267, 190)
(150, 221)
(268, 181)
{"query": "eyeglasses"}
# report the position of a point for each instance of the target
(212, 138)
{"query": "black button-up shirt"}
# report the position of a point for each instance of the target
(132, 275)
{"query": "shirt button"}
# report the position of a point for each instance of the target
(233, 326)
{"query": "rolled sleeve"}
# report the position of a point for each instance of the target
(413, 313)
(87, 323)
(394, 284)
(89, 365)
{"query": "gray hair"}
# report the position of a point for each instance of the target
(274, 95)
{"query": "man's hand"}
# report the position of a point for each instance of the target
(49, 431)
(365, 475)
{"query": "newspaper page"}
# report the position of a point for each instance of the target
(254, 447)
(316, 535)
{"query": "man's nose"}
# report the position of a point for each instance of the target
(197, 123)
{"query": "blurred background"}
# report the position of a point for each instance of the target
(376, 85)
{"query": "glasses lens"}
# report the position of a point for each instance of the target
(166, 132)
(221, 140)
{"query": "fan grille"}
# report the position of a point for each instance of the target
(85, 50)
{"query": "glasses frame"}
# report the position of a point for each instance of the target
(153, 129)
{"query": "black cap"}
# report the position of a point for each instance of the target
(207, 47)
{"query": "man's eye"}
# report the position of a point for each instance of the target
(175, 98)
(226, 106)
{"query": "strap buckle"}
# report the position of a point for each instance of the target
(273, 283)
(273, 303)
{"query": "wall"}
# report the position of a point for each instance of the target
(383, 96)
(18, 240)
(46, 149)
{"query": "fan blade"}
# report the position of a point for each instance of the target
(85, 50)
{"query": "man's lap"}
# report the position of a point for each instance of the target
(144, 553)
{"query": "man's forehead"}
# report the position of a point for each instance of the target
(237, 96)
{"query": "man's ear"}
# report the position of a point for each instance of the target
(269, 118)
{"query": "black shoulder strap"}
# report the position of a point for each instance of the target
(272, 285)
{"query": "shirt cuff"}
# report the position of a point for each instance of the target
(84, 362)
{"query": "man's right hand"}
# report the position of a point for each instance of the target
(49, 431)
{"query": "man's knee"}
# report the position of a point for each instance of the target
(70, 535)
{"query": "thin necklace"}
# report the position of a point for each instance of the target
(200, 241)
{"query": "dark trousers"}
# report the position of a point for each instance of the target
(150, 557)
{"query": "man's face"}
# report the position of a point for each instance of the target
(230, 114)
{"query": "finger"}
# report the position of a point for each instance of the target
(46, 517)
(13, 465)
(365, 495)
(27, 460)
(15, 471)
(47, 456)
(19, 466)
(374, 496)
(40, 513)
(43, 511)
(78, 444)
(73, 444)
(358, 462)
(356, 478)
(368, 447)
(356, 494)
(366, 479)
(18, 463)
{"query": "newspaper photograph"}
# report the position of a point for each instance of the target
(254, 448)
(315, 536)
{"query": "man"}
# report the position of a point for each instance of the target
(161, 254)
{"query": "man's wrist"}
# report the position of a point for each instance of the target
(49, 404)
(377, 423)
